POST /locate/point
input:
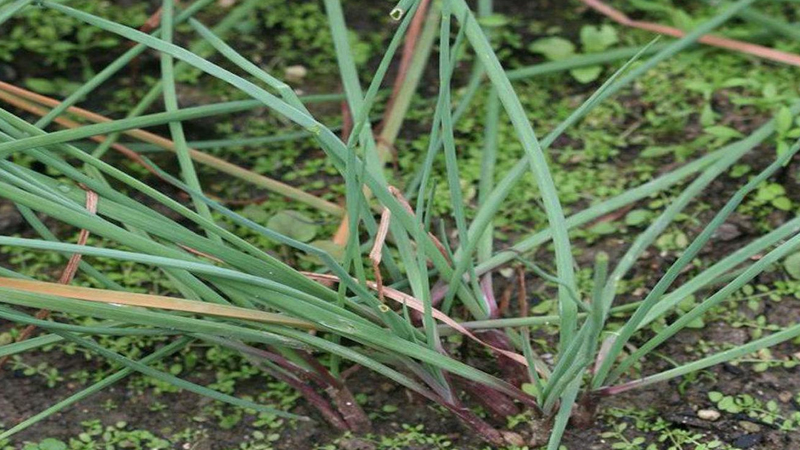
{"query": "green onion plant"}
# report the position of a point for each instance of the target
(287, 322)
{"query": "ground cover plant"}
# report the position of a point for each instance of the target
(401, 267)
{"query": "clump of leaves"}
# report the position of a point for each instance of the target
(765, 412)
(594, 39)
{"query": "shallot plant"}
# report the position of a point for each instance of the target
(400, 286)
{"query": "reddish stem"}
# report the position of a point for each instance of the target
(311, 396)
(412, 36)
(487, 289)
(67, 274)
(486, 431)
(344, 400)
(716, 41)
(499, 404)
(514, 372)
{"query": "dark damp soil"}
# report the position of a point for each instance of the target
(23, 396)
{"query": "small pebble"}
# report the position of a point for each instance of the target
(750, 427)
(295, 73)
(785, 396)
(708, 414)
